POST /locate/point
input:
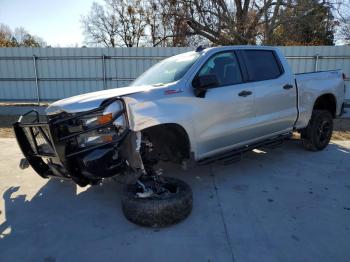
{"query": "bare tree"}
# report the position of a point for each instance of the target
(116, 23)
(261, 21)
(342, 11)
(345, 30)
(100, 26)
(25, 39)
(234, 22)
(20, 37)
(138, 23)
(132, 20)
(167, 22)
(6, 36)
(157, 22)
(219, 22)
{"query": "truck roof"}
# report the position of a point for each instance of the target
(218, 48)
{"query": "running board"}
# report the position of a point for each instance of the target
(236, 154)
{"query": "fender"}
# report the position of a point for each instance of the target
(168, 110)
(306, 108)
(309, 93)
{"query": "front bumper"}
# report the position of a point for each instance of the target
(53, 153)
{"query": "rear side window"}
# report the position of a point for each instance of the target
(262, 65)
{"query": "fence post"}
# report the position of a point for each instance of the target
(36, 80)
(316, 61)
(104, 71)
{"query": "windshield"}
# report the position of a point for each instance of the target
(167, 71)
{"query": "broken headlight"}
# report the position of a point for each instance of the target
(103, 134)
(101, 118)
(97, 137)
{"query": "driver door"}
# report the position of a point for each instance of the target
(225, 116)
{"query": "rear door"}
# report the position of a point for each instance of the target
(275, 92)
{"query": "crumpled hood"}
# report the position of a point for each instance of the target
(93, 100)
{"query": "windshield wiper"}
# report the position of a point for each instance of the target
(158, 84)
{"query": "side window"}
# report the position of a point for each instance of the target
(225, 67)
(262, 65)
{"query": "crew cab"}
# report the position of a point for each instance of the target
(197, 107)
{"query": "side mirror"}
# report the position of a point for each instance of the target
(202, 83)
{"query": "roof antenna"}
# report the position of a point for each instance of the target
(200, 48)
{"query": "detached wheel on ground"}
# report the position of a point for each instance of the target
(160, 209)
(318, 133)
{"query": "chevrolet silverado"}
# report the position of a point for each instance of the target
(204, 106)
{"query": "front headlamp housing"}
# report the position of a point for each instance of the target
(98, 136)
(101, 118)
(106, 126)
(91, 121)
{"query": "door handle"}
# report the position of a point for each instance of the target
(287, 86)
(245, 93)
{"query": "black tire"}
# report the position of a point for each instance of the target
(158, 212)
(318, 133)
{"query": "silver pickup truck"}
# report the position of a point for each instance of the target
(204, 106)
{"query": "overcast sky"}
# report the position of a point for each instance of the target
(57, 22)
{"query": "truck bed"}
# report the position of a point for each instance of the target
(314, 84)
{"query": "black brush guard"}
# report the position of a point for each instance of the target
(47, 151)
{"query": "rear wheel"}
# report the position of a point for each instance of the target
(318, 133)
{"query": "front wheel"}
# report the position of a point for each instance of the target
(318, 133)
(169, 204)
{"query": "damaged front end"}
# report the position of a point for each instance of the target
(84, 147)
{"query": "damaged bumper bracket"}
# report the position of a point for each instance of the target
(51, 153)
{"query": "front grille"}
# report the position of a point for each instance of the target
(39, 139)
(57, 135)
